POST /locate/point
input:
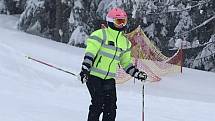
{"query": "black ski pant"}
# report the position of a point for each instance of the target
(103, 99)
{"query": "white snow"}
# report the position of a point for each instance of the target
(78, 36)
(31, 91)
(150, 30)
(78, 4)
(71, 18)
(185, 23)
(201, 11)
(186, 97)
(180, 43)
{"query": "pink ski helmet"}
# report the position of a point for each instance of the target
(117, 16)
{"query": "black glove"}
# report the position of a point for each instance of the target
(140, 75)
(83, 76)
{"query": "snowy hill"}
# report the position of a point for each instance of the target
(30, 91)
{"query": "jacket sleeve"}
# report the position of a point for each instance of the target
(93, 45)
(126, 61)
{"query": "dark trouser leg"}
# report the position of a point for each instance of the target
(109, 112)
(94, 86)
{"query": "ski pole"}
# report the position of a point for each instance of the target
(39, 61)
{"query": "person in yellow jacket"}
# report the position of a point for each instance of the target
(106, 49)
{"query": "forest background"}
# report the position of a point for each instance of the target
(166, 22)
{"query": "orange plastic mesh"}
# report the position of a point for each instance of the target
(148, 58)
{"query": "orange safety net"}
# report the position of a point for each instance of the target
(147, 58)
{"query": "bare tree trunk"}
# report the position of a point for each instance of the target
(58, 22)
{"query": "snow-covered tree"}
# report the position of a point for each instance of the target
(88, 15)
(195, 43)
(205, 59)
(76, 12)
(22, 4)
(185, 23)
(78, 37)
(29, 21)
(164, 21)
(105, 5)
(2, 7)
(41, 18)
(14, 6)
(78, 27)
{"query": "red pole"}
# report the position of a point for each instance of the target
(143, 105)
(182, 57)
(44, 63)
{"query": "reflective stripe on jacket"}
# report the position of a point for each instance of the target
(106, 49)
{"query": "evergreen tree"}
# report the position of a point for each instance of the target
(2, 7)
(41, 17)
(185, 23)
(31, 19)
(58, 22)
(61, 33)
(21, 5)
(164, 21)
(14, 6)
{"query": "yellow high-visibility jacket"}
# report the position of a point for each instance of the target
(106, 49)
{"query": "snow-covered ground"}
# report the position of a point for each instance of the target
(186, 97)
(30, 91)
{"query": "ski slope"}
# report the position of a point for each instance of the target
(186, 97)
(30, 91)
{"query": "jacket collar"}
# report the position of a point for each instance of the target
(113, 32)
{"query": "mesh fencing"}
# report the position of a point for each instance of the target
(148, 58)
